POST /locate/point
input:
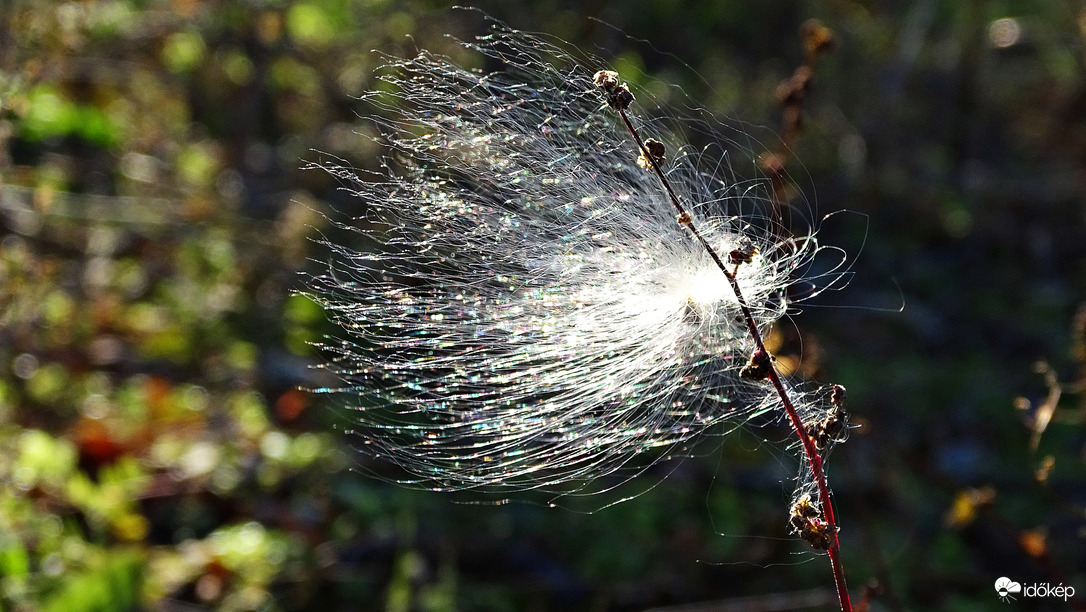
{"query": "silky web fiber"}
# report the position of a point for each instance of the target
(519, 309)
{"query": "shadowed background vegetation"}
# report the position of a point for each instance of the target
(156, 452)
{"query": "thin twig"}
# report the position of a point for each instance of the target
(814, 459)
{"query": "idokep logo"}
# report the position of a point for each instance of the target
(1007, 589)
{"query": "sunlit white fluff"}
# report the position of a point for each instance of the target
(520, 308)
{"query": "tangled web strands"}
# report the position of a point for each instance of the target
(524, 312)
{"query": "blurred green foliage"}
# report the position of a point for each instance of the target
(156, 451)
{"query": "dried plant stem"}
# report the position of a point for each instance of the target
(814, 459)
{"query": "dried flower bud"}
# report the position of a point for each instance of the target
(655, 155)
(817, 533)
(744, 251)
(837, 399)
(621, 98)
(834, 427)
(618, 94)
(606, 80)
(806, 521)
(805, 508)
(758, 368)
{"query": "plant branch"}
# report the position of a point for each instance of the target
(814, 459)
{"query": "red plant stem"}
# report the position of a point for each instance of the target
(814, 459)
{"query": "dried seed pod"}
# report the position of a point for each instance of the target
(837, 398)
(817, 533)
(606, 80)
(618, 94)
(655, 155)
(759, 366)
(806, 520)
(834, 427)
(744, 251)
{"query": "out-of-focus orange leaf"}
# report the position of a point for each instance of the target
(97, 446)
(1034, 542)
(290, 405)
(157, 390)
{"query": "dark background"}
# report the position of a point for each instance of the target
(156, 453)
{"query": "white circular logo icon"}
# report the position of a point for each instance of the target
(1006, 588)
